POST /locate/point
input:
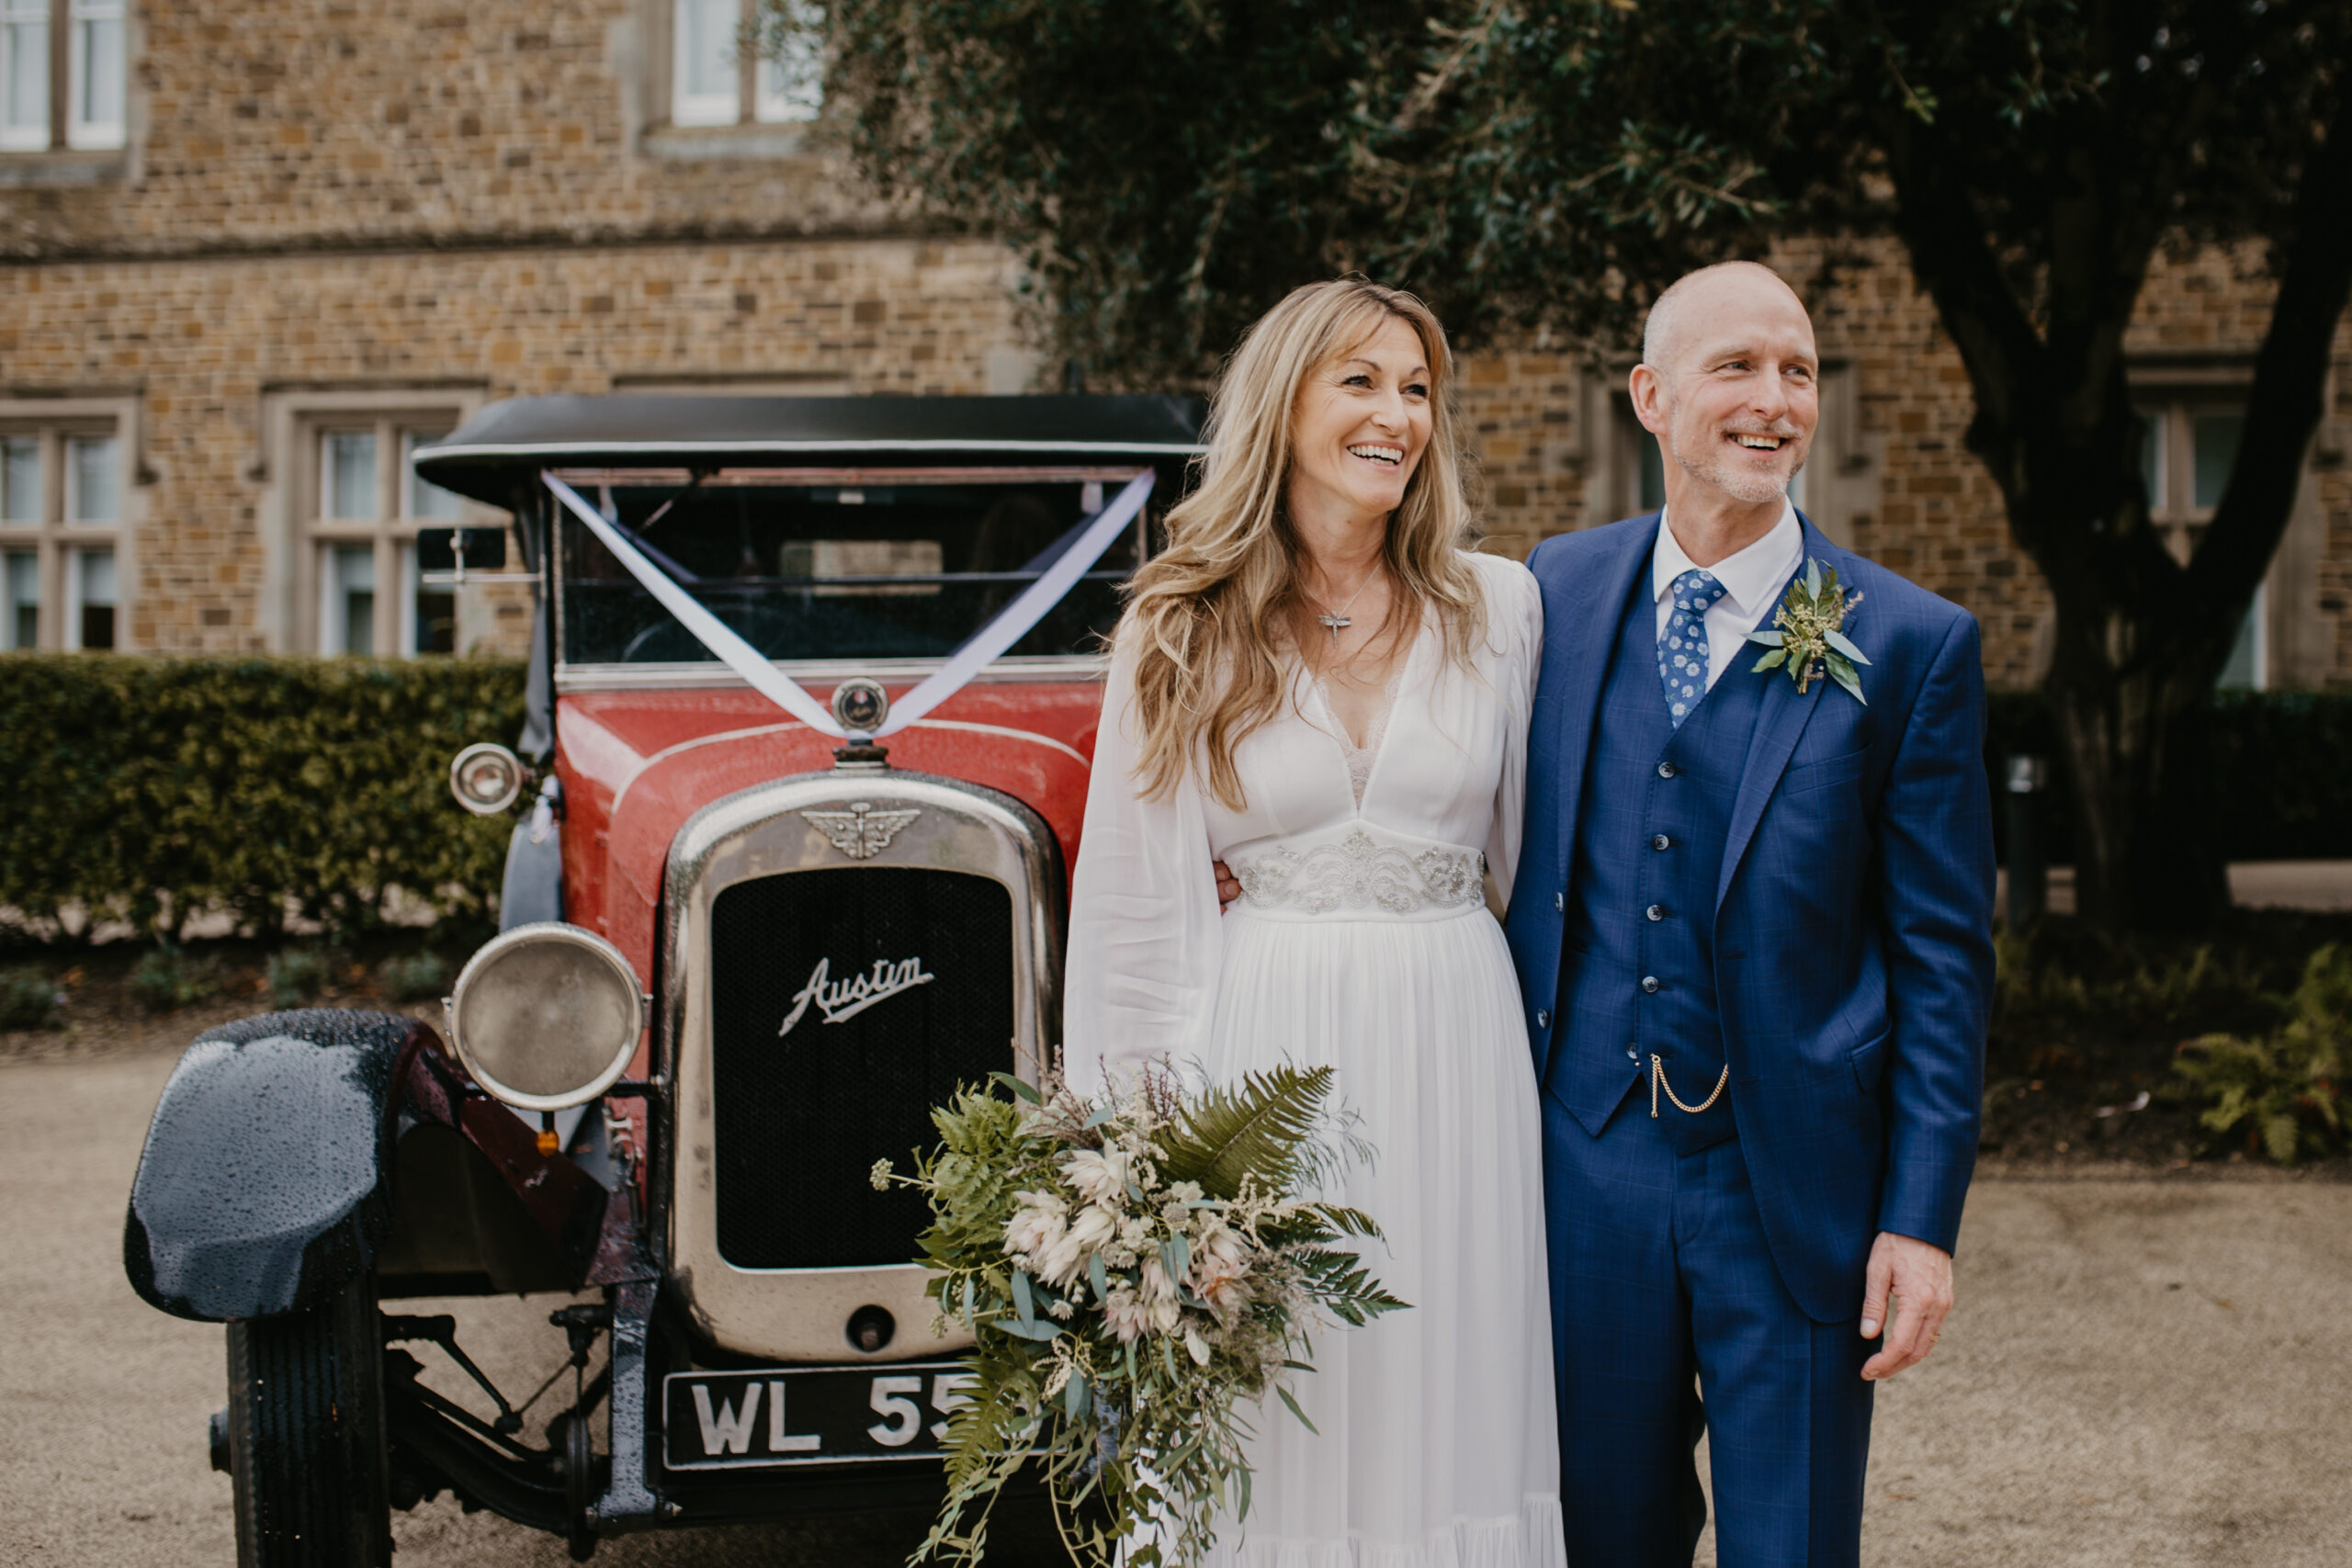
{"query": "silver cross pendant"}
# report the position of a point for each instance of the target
(1335, 623)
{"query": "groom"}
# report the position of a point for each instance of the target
(1753, 931)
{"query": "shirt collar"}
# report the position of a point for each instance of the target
(1750, 576)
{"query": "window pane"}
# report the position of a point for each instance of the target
(703, 41)
(20, 479)
(2216, 452)
(433, 610)
(24, 74)
(347, 489)
(347, 574)
(20, 600)
(93, 466)
(94, 598)
(792, 79)
(423, 499)
(2243, 671)
(97, 63)
(2152, 459)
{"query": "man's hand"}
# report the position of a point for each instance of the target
(1918, 1276)
(1228, 889)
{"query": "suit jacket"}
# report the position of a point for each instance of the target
(1853, 944)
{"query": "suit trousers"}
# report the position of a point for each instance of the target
(1662, 1279)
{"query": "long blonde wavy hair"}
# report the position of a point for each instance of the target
(1212, 616)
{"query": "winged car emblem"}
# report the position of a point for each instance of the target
(861, 833)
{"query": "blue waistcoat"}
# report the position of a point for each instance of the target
(1637, 965)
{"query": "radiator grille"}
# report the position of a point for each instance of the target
(799, 1119)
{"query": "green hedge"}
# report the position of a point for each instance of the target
(152, 788)
(2284, 761)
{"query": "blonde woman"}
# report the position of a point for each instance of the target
(1317, 684)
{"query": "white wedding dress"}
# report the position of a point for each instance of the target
(1362, 940)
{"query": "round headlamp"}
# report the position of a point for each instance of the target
(486, 778)
(546, 1016)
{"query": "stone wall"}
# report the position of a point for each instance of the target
(349, 201)
(203, 344)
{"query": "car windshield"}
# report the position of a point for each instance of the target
(837, 565)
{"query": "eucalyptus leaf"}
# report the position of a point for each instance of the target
(1812, 580)
(1022, 1091)
(1843, 644)
(1023, 1307)
(1769, 638)
(1773, 660)
(1040, 1330)
(1843, 673)
(1294, 1409)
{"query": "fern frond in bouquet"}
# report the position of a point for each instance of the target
(1139, 1271)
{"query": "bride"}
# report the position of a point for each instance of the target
(1316, 684)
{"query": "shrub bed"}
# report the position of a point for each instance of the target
(151, 788)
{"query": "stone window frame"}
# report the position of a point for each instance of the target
(296, 423)
(2293, 643)
(57, 543)
(71, 137)
(1836, 489)
(762, 124)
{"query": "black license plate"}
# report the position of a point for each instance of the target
(781, 1415)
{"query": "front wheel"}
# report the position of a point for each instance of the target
(307, 1448)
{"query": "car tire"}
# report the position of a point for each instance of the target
(307, 1449)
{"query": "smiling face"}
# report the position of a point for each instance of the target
(1735, 396)
(1360, 425)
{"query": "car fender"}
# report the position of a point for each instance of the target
(262, 1184)
(290, 1152)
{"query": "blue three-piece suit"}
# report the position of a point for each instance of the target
(1798, 889)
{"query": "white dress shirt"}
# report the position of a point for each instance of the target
(1752, 579)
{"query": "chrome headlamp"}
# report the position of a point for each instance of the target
(486, 778)
(546, 1016)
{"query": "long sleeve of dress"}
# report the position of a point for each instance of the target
(1145, 942)
(1515, 627)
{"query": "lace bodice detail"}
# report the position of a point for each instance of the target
(1361, 758)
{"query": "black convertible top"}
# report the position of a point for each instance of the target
(501, 450)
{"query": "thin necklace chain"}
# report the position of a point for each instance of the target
(1336, 619)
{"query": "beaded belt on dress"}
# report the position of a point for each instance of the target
(1357, 871)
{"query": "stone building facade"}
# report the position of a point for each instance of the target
(313, 233)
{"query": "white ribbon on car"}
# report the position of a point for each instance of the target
(1008, 627)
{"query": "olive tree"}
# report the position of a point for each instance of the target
(1166, 168)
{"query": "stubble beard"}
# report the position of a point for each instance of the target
(1715, 470)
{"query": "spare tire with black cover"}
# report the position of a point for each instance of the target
(307, 1446)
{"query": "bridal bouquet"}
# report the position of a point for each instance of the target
(1133, 1269)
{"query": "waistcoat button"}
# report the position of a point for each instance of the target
(1666, 769)
(1560, 901)
(1661, 842)
(1649, 983)
(1655, 911)
(1631, 1053)
(1543, 1018)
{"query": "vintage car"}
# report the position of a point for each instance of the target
(757, 924)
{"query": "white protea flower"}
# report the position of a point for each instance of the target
(1166, 1314)
(1196, 1347)
(1061, 1262)
(1157, 1285)
(1036, 1225)
(1100, 1177)
(1221, 1281)
(1129, 1318)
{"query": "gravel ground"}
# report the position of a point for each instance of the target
(2144, 1371)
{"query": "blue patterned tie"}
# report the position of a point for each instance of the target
(1682, 647)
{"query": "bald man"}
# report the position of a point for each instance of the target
(1753, 931)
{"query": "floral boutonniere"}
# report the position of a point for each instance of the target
(1806, 639)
